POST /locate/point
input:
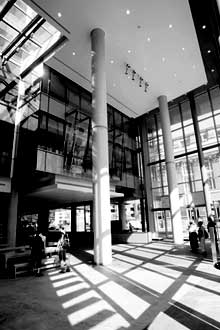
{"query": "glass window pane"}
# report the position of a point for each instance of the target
(190, 139)
(194, 168)
(215, 96)
(203, 106)
(151, 128)
(207, 132)
(212, 164)
(178, 144)
(217, 123)
(182, 170)
(164, 175)
(153, 150)
(186, 113)
(156, 194)
(155, 176)
(3, 43)
(161, 148)
(159, 128)
(7, 32)
(41, 36)
(17, 18)
(2, 4)
(25, 8)
(175, 120)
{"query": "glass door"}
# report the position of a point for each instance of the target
(163, 223)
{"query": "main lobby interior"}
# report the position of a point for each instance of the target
(110, 126)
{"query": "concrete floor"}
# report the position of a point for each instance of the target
(148, 286)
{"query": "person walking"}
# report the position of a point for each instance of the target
(63, 246)
(193, 236)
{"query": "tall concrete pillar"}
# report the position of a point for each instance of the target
(101, 186)
(13, 202)
(171, 171)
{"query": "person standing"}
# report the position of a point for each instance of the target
(37, 253)
(211, 224)
(202, 235)
(193, 236)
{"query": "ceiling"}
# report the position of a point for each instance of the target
(156, 38)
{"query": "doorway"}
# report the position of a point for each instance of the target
(163, 223)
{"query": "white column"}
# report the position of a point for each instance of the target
(171, 171)
(101, 186)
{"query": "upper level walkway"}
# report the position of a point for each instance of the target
(148, 286)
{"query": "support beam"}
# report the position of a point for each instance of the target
(101, 186)
(171, 171)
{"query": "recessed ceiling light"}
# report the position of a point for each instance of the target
(145, 69)
(194, 66)
(129, 51)
(213, 70)
(59, 14)
(183, 48)
(204, 27)
(74, 53)
(170, 26)
(128, 12)
(111, 61)
(174, 74)
(209, 51)
(163, 59)
(149, 39)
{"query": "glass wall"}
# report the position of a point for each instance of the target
(65, 133)
(186, 156)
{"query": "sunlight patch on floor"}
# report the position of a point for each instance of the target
(206, 284)
(73, 288)
(131, 260)
(163, 270)
(93, 311)
(163, 321)
(178, 262)
(91, 274)
(200, 300)
(151, 280)
(125, 299)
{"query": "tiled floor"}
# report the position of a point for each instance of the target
(153, 286)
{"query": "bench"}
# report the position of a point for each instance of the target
(26, 267)
(21, 268)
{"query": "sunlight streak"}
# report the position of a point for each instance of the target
(92, 311)
(66, 281)
(73, 288)
(129, 302)
(91, 274)
(162, 269)
(163, 321)
(199, 300)
(206, 284)
(149, 279)
(128, 259)
(178, 262)
(81, 298)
